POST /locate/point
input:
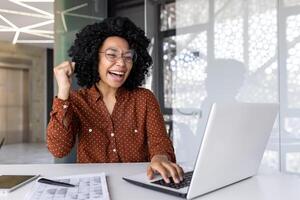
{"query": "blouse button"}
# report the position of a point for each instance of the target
(114, 150)
(65, 106)
(112, 134)
(135, 130)
(90, 130)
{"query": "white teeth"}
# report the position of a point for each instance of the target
(118, 73)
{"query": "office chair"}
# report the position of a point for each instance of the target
(70, 158)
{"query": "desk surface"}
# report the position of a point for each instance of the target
(264, 186)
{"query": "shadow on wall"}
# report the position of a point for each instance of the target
(224, 79)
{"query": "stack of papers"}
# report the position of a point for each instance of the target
(88, 187)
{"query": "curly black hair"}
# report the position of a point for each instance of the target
(84, 51)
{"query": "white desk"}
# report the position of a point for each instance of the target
(265, 186)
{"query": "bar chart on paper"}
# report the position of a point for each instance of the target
(87, 187)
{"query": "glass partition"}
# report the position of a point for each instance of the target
(71, 17)
(233, 51)
(289, 38)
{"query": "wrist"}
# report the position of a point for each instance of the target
(63, 94)
(160, 157)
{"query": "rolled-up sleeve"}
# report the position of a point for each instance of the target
(158, 140)
(62, 128)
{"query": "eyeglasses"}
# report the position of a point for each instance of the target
(114, 55)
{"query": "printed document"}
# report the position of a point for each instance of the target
(87, 187)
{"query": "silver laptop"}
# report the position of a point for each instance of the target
(233, 144)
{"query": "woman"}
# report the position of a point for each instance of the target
(114, 119)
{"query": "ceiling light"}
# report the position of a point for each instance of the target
(41, 1)
(38, 24)
(31, 8)
(35, 41)
(16, 37)
(25, 14)
(35, 29)
(39, 34)
(38, 31)
(8, 22)
(62, 14)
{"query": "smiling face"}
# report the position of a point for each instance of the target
(115, 62)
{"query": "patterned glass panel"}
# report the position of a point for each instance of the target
(291, 115)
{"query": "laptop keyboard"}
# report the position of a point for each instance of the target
(187, 177)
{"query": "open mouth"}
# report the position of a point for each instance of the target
(116, 73)
(118, 76)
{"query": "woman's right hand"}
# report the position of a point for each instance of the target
(63, 73)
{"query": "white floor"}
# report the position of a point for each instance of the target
(25, 153)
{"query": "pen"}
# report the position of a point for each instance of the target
(52, 182)
(2, 142)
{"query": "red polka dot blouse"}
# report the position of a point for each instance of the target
(134, 132)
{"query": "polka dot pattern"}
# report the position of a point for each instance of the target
(134, 132)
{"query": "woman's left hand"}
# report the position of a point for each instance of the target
(161, 164)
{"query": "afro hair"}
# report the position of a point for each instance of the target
(84, 51)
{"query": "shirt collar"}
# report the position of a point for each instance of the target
(96, 93)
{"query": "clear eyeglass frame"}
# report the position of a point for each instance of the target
(114, 55)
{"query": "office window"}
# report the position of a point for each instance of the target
(244, 51)
(290, 86)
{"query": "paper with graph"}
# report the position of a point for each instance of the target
(87, 187)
